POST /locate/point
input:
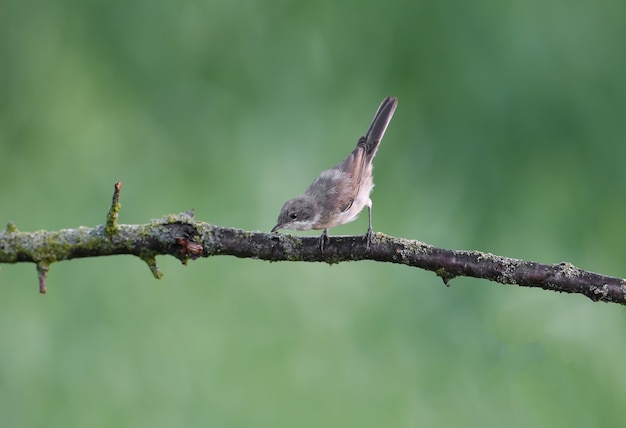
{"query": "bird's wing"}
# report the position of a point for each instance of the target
(344, 181)
(352, 167)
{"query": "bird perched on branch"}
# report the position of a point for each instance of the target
(339, 194)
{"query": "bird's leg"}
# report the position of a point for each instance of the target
(368, 235)
(323, 239)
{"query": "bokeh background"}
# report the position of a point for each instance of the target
(508, 138)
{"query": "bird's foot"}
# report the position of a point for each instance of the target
(323, 239)
(368, 237)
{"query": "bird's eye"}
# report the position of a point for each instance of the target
(293, 216)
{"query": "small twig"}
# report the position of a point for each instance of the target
(42, 270)
(152, 264)
(113, 214)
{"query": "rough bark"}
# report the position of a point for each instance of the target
(184, 238)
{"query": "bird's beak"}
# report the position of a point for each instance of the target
(275, 228)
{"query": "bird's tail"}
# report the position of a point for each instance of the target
(379, 126)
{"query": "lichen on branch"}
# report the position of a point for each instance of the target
(186, 239)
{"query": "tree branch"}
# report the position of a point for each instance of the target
(184, 238)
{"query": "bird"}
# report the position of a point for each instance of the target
(338, 195)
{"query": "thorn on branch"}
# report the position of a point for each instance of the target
(42, 270)
(11, 228)
(112, 227)
(445, 276)
(188, 215)
(152, 264)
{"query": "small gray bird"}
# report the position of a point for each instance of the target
(339, 194)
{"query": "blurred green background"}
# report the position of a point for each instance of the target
(508, 138)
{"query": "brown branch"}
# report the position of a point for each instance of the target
(184, 238)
